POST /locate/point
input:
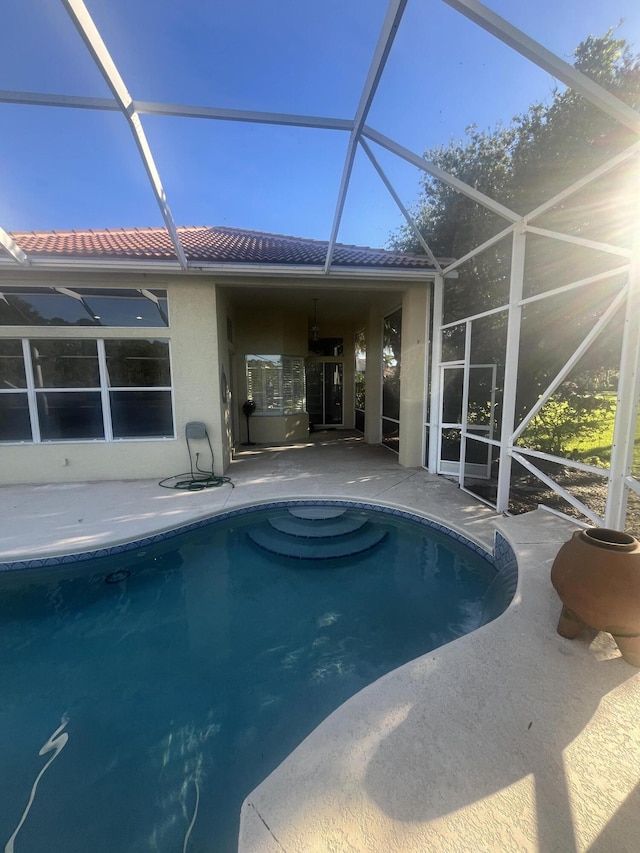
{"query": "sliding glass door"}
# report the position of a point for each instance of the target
(324, 393)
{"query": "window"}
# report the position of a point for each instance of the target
(140, 388)
(391, 354)
(361, 369)
(276, 384)
(15, 424)
(360, 379)
(66, 377)
(74, 390)
(82, 306)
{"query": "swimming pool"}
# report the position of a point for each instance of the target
(147, 692)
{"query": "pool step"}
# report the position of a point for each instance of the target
(317, 528)
(316, 548)
(316, 513)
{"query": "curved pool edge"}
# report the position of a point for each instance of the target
(485, 743)
(60, 519)
(209, 517)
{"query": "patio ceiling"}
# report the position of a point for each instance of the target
(338, 306)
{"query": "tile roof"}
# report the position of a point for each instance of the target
(207, 245)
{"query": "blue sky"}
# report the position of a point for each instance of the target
(68, 168)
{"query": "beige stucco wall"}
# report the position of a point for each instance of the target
(373, 377)
(269, 331)
(415, 325)
(194, 353)
(224, 379)
(413, 377)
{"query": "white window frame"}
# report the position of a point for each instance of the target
(104, 389)
(291, 385)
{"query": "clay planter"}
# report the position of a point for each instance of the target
(597, 576)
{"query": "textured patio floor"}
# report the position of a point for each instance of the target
(510, 738)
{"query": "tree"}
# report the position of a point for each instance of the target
(540, 153)
(575, 416)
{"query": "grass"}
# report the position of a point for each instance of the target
(600, 444)
(596, 444)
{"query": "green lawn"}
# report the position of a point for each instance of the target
(598, 443)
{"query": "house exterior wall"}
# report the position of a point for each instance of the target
(413, 378)
(192, 333)
(210, 332)
(373, 377)
(269, 331)
(415, 338)
(226, 396)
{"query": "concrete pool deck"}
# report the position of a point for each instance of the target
(510, 738)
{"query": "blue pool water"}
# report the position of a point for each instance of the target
(144, 695)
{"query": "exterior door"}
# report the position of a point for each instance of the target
(479, 421)
(324, 393)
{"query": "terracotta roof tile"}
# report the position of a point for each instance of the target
(205, 244)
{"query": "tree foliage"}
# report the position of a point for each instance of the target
(574, 417)
(522, 165)
(541, 152)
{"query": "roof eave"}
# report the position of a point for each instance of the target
(172, 267)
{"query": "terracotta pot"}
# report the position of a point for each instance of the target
(597, 576)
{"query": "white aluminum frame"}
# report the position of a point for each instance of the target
(83, 21)
(104, 388)
(463, 469)
(8, 243)
(394, 195)
(390, 26)
(548, 61)
(620, 480)
(616, 503)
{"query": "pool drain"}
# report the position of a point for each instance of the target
(117, 576)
